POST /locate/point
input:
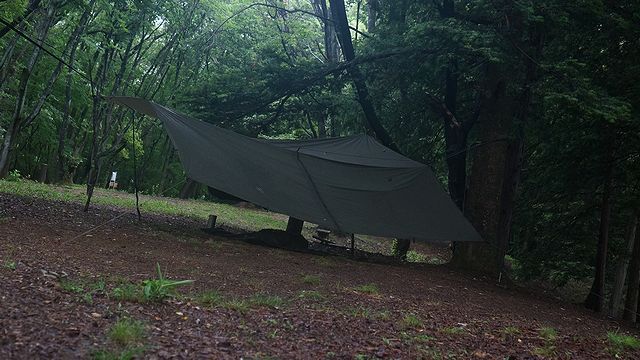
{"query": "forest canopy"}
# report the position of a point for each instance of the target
(527, 111)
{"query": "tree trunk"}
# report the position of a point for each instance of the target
(189, 189)
(294, 226)
(623, 264)
(631, 300)
(595, 299)
(372, 14)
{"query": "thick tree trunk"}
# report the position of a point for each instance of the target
(493, 178)
(631, 300)
(623, 264)
(294, 226)
(595, 299)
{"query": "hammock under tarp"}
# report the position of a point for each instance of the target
(351, 184)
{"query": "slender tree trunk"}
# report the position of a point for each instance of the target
(189, 189)
(595, 299)
(623, 264)
(372, 14)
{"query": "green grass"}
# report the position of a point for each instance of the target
(548, 334)
(126, 291)
(454, 330)
(71, 286)
(235, 304)
(367, 289)
(240, 218)
(619, 343)
(411, 321)
(127, 332)
(11, 265)
(414, 256)
(311, 279)
(210, 298)
(265, 300)
(510, 331)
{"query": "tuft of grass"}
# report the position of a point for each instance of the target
(71, 286)
(311, 295)
(127, 332)
(416, 257)
(367, 289)
(239, 305)
(548, 334)
(360, 312)
(454, 330)
(127, 292)
(11, 265)
(411, 321)
(619, 343)
(311, 279)
(265, 300)
(210, 298)
(510, 331)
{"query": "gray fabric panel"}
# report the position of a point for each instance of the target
(352, 184)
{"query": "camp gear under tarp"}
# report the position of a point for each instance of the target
(351, 184)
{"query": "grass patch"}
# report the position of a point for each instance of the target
(239, 305)
(264, 300)
(71, 286)
(548, 334)
(619, 343)
(454, 330)
(367, 289)
(510, 331)
(11, 265)
(411, 321)
(127, 332)
(233, 216)
(127, 291)
(311, 295)
(416, 257)
(311, 280)
(210, 298)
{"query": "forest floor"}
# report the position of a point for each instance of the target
(68, 296)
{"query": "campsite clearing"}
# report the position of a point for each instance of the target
(65, 296)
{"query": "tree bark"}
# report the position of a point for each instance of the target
(623, 264)
(631, 300)
(294, 226)
(595, 299)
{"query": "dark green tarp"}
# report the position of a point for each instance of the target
(351, 184)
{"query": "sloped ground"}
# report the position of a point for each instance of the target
(57, 298)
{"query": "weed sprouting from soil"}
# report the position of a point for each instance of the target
(265, 300)
(311, 280)
(127, 332)
(210, 298)
(549, 335)
(411, 321)
(161, 288)
(619, 343)
(453, 330)
(371, 289)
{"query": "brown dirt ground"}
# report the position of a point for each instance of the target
(458, 316)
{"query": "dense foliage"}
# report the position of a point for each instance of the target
(546, 92)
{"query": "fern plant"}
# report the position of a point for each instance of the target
(161, 288)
